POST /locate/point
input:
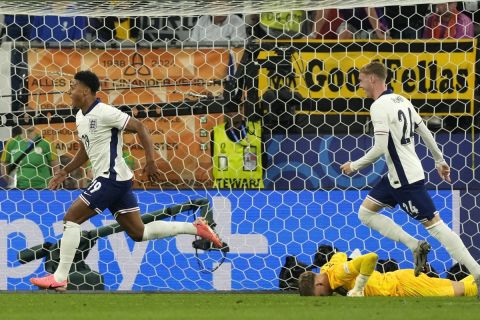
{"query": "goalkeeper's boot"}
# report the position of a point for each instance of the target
(48, 282)
(204, 231)
(355, 294)
(420, 256)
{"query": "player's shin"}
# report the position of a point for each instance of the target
(163, 229)
(68, 248)
(386, 227)
(455, 247)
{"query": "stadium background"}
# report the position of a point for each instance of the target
(306, 201)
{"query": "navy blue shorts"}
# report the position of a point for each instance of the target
(117, 196)
(413, 198)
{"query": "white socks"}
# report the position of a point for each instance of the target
(163, 229)
(455, 247)
(68, 248)
(386, 227)
(71, 240)
(449, 239)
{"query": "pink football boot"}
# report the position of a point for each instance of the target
(48, 282)
(204, 231)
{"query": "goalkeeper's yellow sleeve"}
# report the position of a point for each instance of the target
(365, 264)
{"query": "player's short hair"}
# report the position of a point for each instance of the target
(306, 284)
(89, 79)
(375, 68)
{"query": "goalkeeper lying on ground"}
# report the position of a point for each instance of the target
(359, 278)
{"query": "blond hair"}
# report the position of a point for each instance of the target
(375, 68)
(306, 284)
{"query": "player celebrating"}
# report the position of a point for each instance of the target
(395, 121)
(360, 278)
(100, 128)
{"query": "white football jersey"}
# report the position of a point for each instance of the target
(395, 115)
(101, 132)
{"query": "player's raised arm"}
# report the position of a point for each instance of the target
(442, 167)
(80, 158)
(150, 170)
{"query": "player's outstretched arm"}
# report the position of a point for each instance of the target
(80, 158)
(150, 170)
(378, 149)
(442, 167)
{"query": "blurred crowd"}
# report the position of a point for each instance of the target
(445, 20)
(28, 160)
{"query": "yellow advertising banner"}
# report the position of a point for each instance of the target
(182, 146)
(129, 77)
(427, 72)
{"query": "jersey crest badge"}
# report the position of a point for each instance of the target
(93, 125)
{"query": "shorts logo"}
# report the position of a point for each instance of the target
(93, 125)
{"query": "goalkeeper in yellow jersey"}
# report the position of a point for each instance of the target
(359, 278)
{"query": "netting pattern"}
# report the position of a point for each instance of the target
(288, 81)
(100, 8)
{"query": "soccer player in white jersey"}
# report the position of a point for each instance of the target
(395, 121)
(100, 127)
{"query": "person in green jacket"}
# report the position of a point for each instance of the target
(33, 170)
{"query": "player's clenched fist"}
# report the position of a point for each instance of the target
(347, 168)
(57, 180)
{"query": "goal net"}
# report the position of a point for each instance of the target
(251, 111)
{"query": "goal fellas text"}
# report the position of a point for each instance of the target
(426, 71)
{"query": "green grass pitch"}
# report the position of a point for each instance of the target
(197, 306)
